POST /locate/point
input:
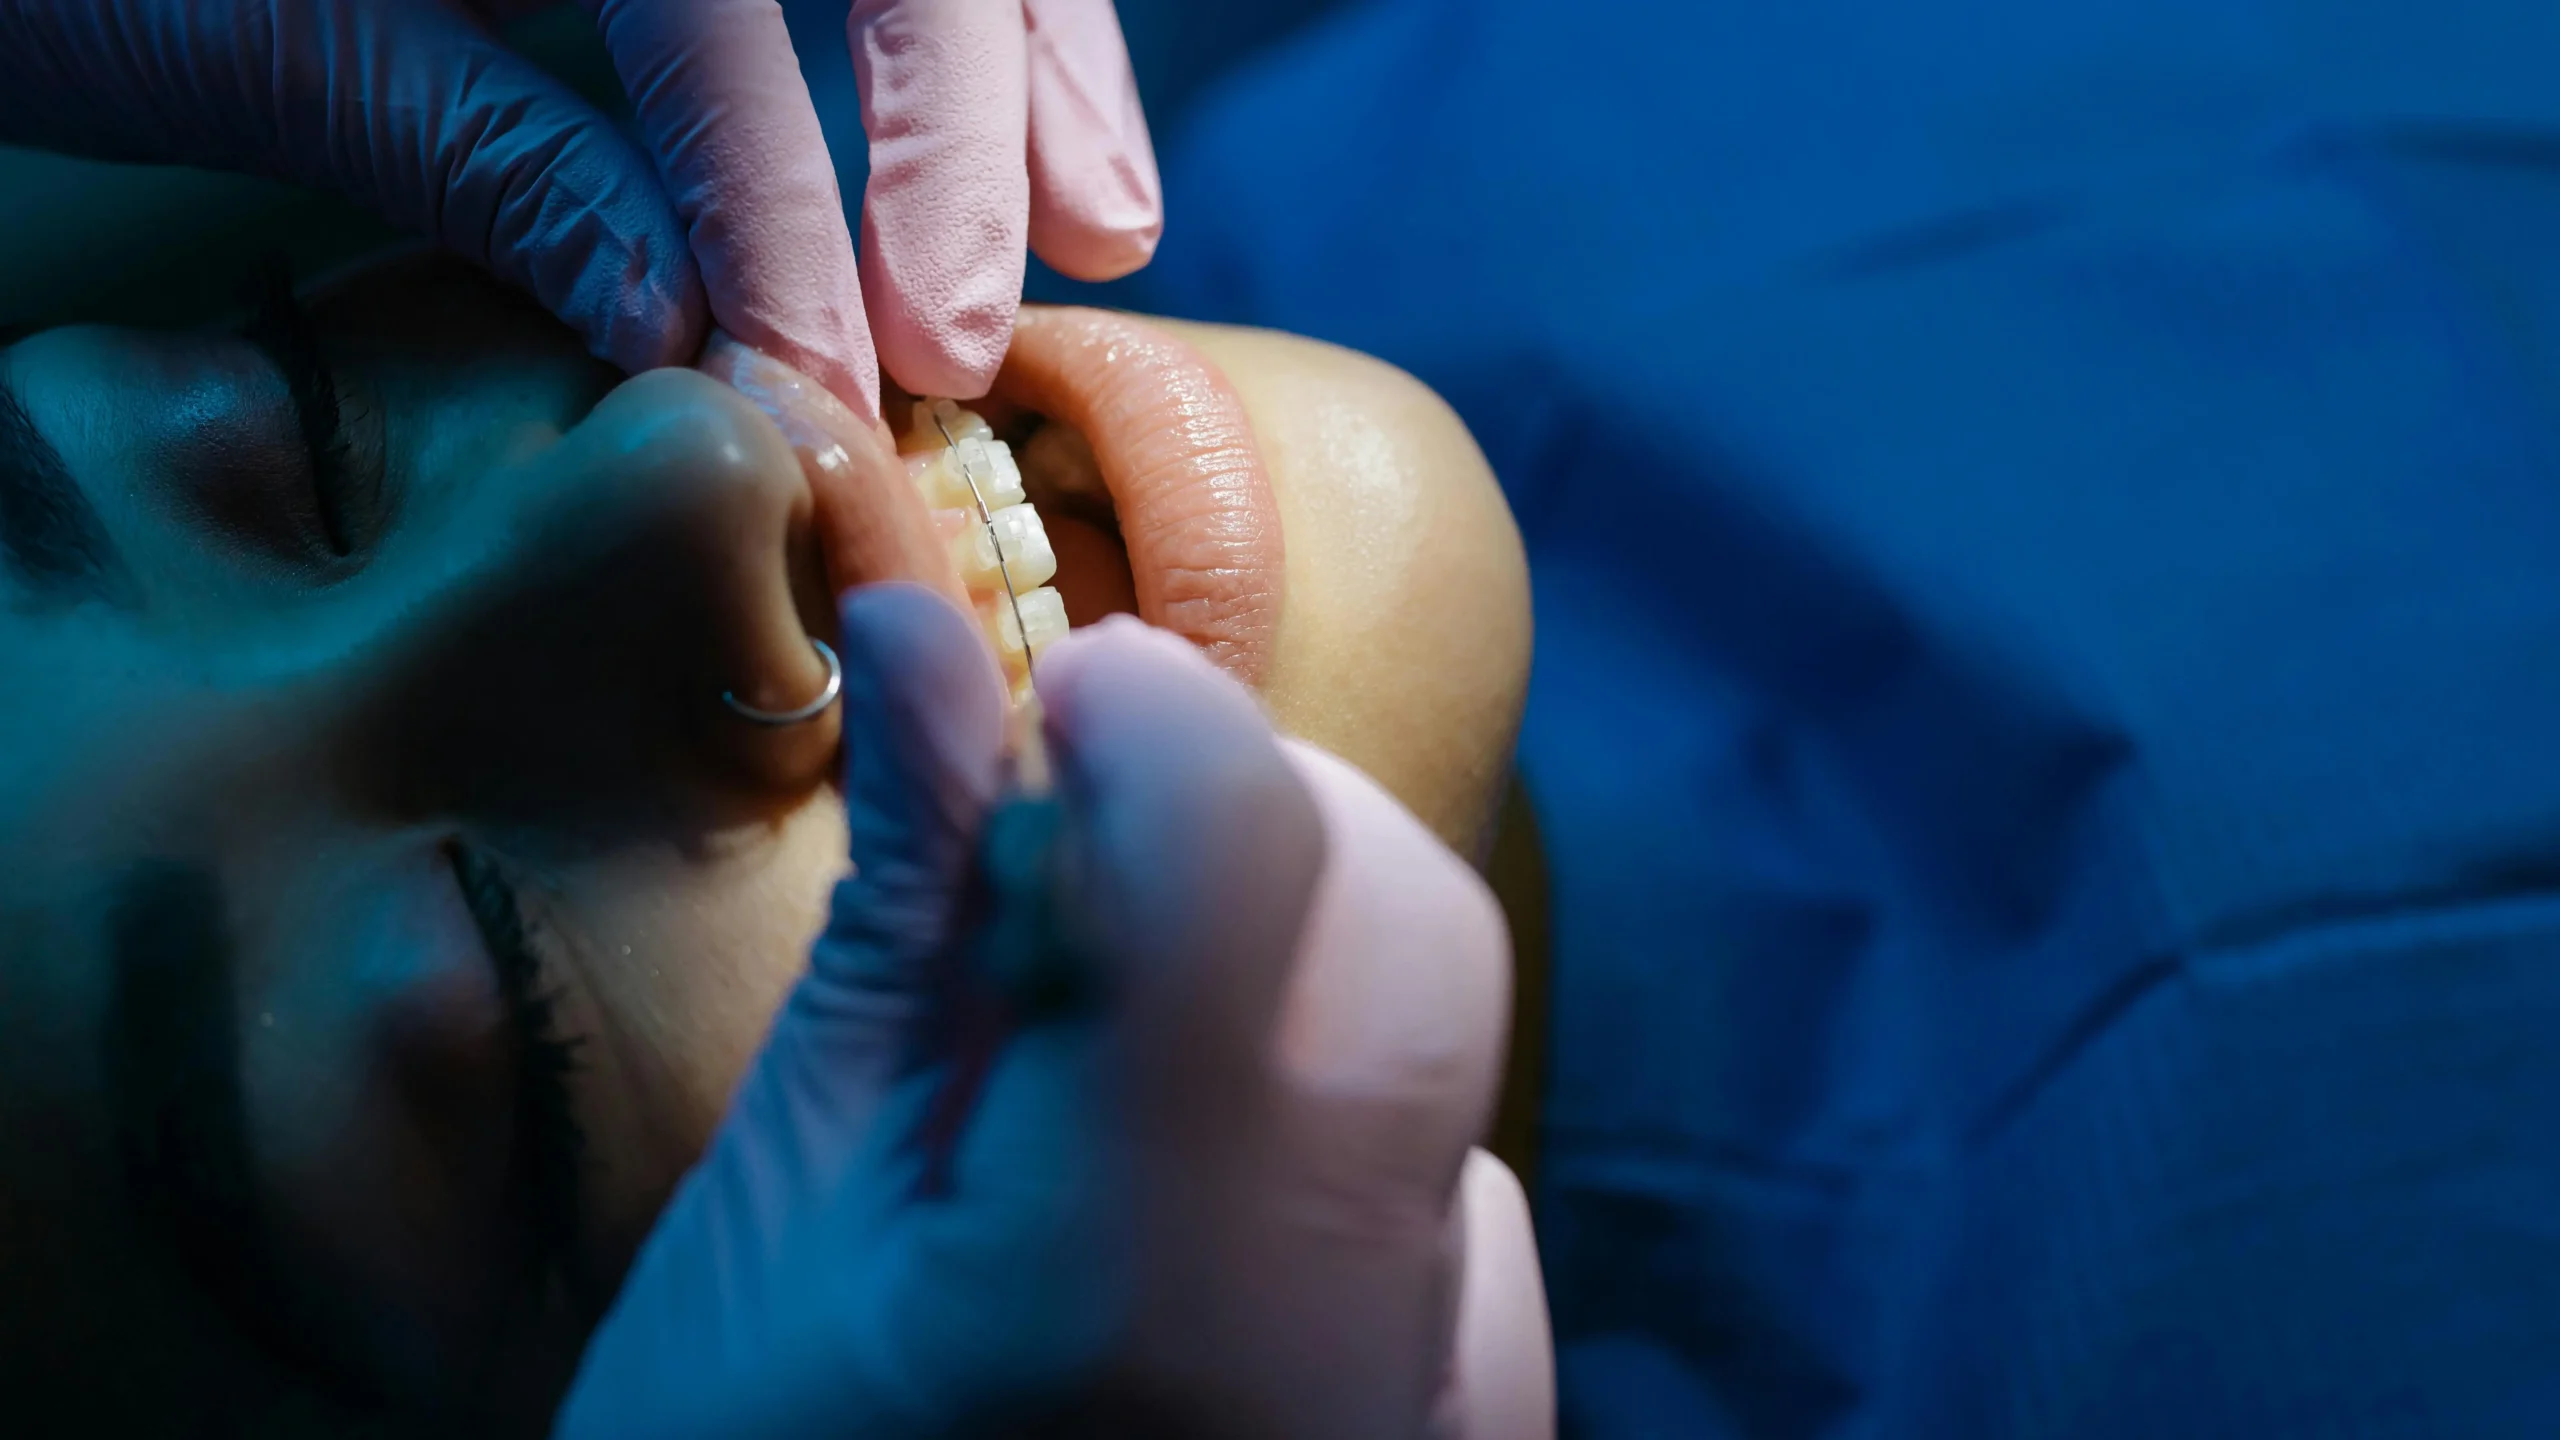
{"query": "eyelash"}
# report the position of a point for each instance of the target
(280, 326)
(550, 1146)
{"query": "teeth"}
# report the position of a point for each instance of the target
(988, 462)
(963, 424)
(1012, 529)
(1028, 558)
(1044, 617)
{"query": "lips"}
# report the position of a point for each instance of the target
(1177, 454)
(1187, 485)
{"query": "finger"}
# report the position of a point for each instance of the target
(946, 213)
(923, 724)
(722, 105)
(1393, 1035)
(1197, 849)
(407, 108)
(754, 1308)
(1504, 1384)
(1386, 1055)
(1097, 205)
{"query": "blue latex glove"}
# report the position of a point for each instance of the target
(993, 123)
(1223, 1190)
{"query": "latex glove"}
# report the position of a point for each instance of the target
(991, 124)
(412, 108)
(1227, 1192)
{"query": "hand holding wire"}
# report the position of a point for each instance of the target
(1144, 1104)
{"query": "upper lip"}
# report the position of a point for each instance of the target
(1177, 451)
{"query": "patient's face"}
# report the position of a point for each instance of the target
(390, 900)
(353, 770)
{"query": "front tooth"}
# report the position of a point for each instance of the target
(1044, 619)
(988, 462)
(1024, 541)
(962, 423)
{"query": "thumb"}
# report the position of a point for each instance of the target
(1197, 849)
(922, 716)
(923, 731)
(738, 1312)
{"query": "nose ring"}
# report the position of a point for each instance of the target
(826, 694)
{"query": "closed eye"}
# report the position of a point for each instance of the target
(281, 328)
(550, 1146)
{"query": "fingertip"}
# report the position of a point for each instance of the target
(946, 211)
(1111, 688)
(1093, 254)
(1061, 667)
(1505, 1373)
(658, 320)
(919, 686)
(1175, 767)
(1429, 1030)
(840, 363)
(1097, 198)
(942, 320)
(901, 634)
(878, 613)
(1354, 802)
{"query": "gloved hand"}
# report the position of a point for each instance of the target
(413, 109)
(1229, 1189)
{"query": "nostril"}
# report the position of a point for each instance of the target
(745, 546)
(662, 554)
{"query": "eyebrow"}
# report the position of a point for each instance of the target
(51, 538)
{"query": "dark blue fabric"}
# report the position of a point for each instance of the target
(2046, 528)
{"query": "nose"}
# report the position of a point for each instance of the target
(570, 673)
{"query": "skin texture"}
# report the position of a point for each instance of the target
(1198, 525)
(1408, 592)
(1318, 521)
(525, 658)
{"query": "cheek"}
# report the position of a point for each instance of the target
(376, 1079)
(679, 964)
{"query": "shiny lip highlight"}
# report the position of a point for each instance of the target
(1178, 455)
